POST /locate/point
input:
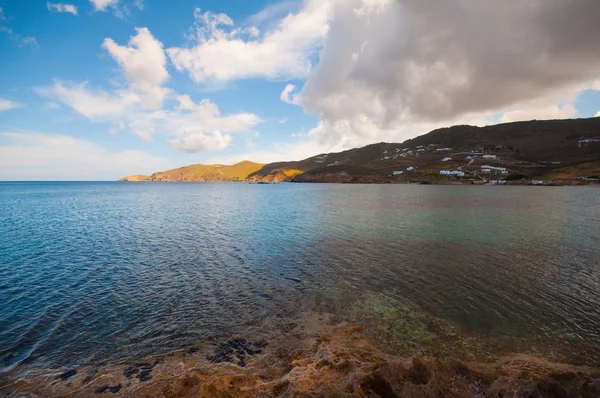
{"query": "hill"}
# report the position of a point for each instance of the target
(203, 172)
(553, 151)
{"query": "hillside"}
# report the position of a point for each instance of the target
(553, 151)
(203, 172)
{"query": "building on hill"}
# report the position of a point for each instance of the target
(446, 159)
(486, 169)
(397, 173)
(490, 157)
(411, 168)
(457, 173)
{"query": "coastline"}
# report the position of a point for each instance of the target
(569, 183)
(318, 354)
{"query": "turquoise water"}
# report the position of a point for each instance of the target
(106, 272)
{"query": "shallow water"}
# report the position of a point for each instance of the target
(109, 272)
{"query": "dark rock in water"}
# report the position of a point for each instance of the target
(238, 347)
(67, 374)
(106, 387)
(144, 365)
(130, 371)
(142, 369)
(192, 350)
(115, 389)
(144, 375)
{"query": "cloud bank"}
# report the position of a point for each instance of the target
(139, 106)
(36, 156)
(221, 52)
(390, 67)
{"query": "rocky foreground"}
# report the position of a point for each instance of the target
(318, 357)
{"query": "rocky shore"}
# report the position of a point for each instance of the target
(316, 356)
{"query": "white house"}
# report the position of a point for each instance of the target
(397, 173)
(446, 159)
(537, 182)
(410, 168)
(494, 170)
(457, 173)
(589, 140)
(490, 156)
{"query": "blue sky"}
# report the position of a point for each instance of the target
(99, 89)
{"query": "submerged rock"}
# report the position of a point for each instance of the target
(66, 375)
(236, 347)
(106, 387)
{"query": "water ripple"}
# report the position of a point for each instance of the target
(106, 272)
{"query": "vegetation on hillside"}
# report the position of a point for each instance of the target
(551, 150)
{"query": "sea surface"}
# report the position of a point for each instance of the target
(110, 272)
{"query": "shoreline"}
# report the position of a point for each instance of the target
(319, 355)
(570, 183)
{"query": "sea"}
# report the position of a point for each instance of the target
(109, 272)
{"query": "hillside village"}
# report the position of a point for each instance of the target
(552, 152)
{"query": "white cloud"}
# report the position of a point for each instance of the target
(102, 5)
(144, 63)
(220, 52)
(199, 141)
(385, 74)
(597, 114)
(282, 121)
(286, 94)
(96, 105)
(144, 134)
(36, 156)
(139, 107)
(6, 105)
(60, 7)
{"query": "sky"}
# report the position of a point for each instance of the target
(101, 89)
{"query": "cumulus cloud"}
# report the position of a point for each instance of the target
(60, 7)
(143, 62)
(27, 156)
(199, 141)
(286, 94)
(597, 114)
(6, 105)
(139, 109)
(221, 52)
(102, 5)
(96, 105)
(392, 68)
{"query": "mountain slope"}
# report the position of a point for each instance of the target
(203, 172)
(553, 150)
